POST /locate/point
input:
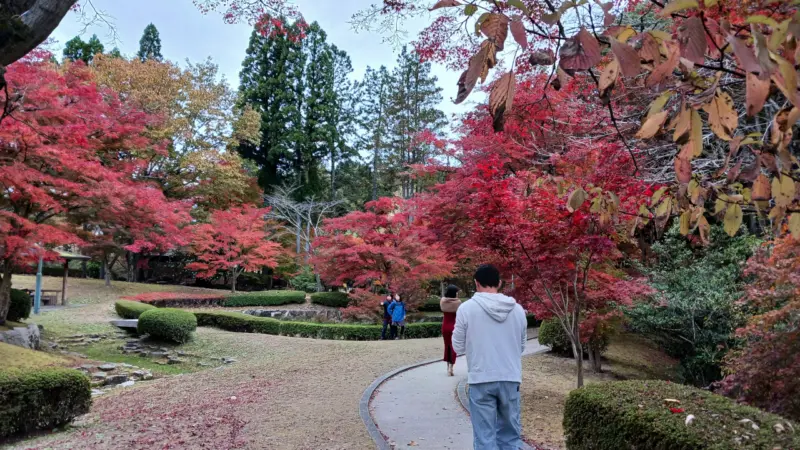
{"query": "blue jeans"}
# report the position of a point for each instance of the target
(494, 409)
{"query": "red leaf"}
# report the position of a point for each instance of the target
(676, 410)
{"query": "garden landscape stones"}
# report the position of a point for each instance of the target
(105, 377)
(26, 337)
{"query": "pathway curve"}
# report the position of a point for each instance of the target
(419, 407)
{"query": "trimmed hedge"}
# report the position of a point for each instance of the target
(168, 324)
(246, 323)
(431, 304)
(634, 414)
(34, 399)
(20, 307)
(131, 310)
(334, 299)
(265, 298)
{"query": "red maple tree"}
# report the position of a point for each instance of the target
(70, 153)
(389, 245)
(543, 201)
(236, 240)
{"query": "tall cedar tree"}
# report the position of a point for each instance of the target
(150, 44)
(77, 50)
(414, 97)
(301, 90)
(373, 120)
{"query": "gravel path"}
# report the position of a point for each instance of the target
(420, 407)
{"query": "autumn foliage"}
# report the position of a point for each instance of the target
(72, 153)
(389, 245)
(234, 241)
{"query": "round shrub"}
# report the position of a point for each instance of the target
(652, 414)
(168, 324)
(20, 307)
(131, 310)
(334, 299)
(34, 399)
(552, 334)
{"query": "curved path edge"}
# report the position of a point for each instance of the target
(363, 406)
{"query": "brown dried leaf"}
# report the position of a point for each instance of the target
(560, 80)
(761, 188)
(501, 99)
(692, 37)
(786, 80)
(651, 125)
(576, 199)
(445, 4)
(757, 93)
(768, 66)
(629, 61)
(794, 225)
(783, 191)
(608, 19)
(542, 58)
(696, 141)
(665, 69)
(609, 76)
(733, 219)
(649, 51)
(580, 52)
(478, 64)
(722, 116)
(683, 126)
(495, 28)
(519, 34)
(747, 59)
(683, 170)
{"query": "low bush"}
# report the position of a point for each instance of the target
(172, 299)
(334, 299)
(35, 399)
(20, 307)
(653, 414)
(305, 280)
(552, 334)
(131, 310)
(266, 298)
(168, 324)
(352, 332)
(431, 304)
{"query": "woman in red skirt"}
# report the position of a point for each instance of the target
(449, 304)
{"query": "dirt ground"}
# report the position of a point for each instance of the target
(548, 379)
(283, 393)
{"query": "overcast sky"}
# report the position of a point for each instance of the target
(188, 34)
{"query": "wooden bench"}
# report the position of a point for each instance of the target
(49, 296)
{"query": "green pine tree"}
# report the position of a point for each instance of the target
(269, 84)
(76, 49)
(150, 44)
(413, 109)
(373, 120)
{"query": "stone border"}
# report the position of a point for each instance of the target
(363, 406)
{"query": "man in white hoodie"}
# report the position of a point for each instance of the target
(491, 330)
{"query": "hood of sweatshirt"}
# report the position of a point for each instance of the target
(497, 306)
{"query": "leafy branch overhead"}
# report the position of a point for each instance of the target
(716, 75)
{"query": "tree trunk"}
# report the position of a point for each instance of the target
(106, 271)
(319, 282)
(39, 17)
(333, 173)
(5, 292)
(234, 276)
(577, 350)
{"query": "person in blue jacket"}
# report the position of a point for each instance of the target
(397, 309)
(387, 317)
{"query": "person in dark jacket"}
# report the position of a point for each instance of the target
(387, 318)
(398, 311)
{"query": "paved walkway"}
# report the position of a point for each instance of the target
(420, 407)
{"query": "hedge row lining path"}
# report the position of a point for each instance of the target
(419, 406)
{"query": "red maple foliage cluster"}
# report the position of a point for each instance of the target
(234, 241)
(388, 246)
(72, 153)
(773, 333)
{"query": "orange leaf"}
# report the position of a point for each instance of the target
(495, 28)
(580, 52)
(665, 69)
(629, 61)
(651, 126)
(757, 93)
(683, 170)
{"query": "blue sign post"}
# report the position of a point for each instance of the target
(37, 297)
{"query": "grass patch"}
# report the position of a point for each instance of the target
(633, 357)
(9, 325)
(109, 352)
(13, 356)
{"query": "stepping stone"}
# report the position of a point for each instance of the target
(172, 360)
(107, 367)
(99, 376)
(127, 324)
(228, 360)
(116, 379)
(126, 384)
